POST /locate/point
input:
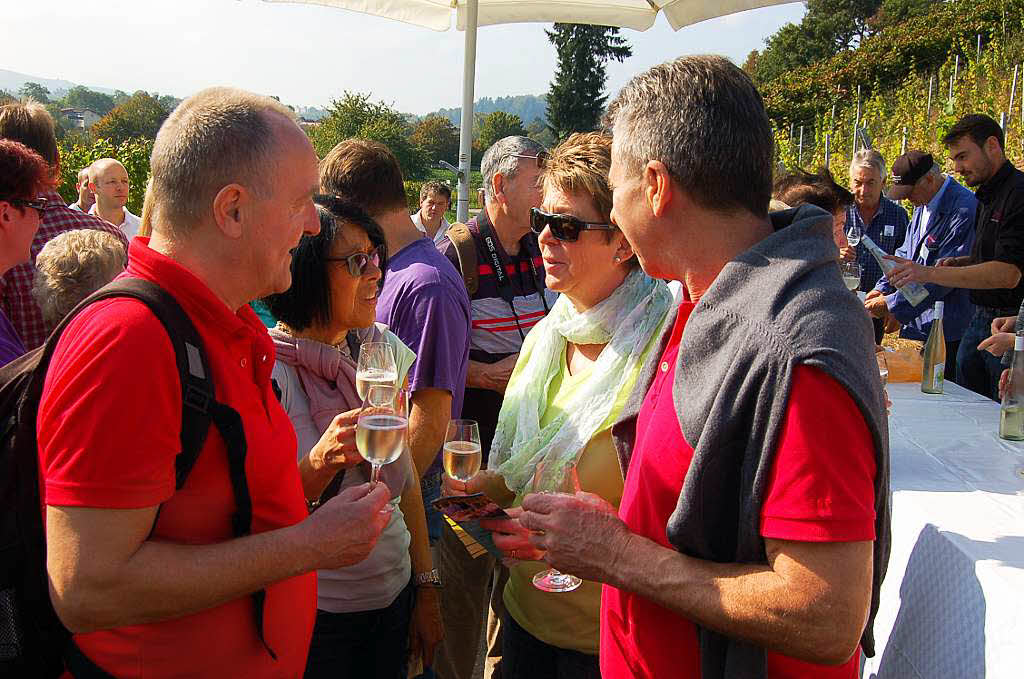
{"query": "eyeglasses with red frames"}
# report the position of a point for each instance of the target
(357, 262)
(564, 227)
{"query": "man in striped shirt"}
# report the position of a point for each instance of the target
(510, 299)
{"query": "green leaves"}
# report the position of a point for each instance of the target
(356, 116)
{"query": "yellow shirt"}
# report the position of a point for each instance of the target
(570, 619)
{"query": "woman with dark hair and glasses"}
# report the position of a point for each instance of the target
(23, 176)
(367, 614)
(574, 374)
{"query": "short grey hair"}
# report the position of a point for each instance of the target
(216, 137)
(502, 158)
(71, 267)
(869, 158)
(703, 118)
(83, 174)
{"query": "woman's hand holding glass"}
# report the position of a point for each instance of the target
(336, 449)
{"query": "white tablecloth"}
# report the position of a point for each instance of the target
(952, 603)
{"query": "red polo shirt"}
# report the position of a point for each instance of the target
(821, 490)
(109, 424)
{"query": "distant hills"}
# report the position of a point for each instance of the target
(528, 107)
(13, 81)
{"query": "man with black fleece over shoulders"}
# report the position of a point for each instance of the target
(753, 532)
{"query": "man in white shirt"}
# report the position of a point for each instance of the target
(86, 198)
(109, 181)
(435, 199)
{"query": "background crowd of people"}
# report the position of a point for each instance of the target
(721, 526)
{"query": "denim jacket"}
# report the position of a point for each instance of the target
(948, 233)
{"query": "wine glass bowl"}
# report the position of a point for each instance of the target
(556, 477)
(851, 275)
(853, 234)
(381, 427)
(462, 455)
(376, 365)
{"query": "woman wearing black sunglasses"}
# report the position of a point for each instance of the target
(23, 176)
(572, 378)
(365, 612)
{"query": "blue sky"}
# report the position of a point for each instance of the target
(309, 54)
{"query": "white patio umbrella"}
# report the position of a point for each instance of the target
(437, 15)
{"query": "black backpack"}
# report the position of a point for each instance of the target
(33, 641)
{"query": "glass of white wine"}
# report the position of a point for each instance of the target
(381, 427)
(376, 365)
(461, 454)
(556, 477)
(853, 234)
(851, 275)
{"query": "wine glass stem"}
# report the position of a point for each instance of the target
(374, 474)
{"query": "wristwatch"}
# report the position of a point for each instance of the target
(429, 578)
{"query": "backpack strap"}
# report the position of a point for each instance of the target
(465, 249)
(200, 407)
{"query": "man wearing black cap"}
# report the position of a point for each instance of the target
(942, 226)
(993, 269)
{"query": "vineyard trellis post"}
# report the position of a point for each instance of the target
(903, 144)
(1013, 90)
(828, 150)
(931, 82)
(800, 149)
(856, 121)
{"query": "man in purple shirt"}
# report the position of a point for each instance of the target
(423, 301)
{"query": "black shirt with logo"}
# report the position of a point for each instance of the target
(999, 234)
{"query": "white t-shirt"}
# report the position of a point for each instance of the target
(373, 583)
(130, 225)
(439, 236)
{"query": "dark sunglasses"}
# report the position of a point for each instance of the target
(540, 158)
(37, 204)
(563, 227)
(357, 262)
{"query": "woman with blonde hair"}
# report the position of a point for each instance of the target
(576, 369)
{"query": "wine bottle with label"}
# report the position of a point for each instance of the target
(933, 374)
(915, 293)
(1011, 414)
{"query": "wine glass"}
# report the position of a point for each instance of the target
(462, 455)
(376, 365)
(883, 374)
(853, 234)
(851, 275)
(556, 477)
(381, 427)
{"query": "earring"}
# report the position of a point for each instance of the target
(618, 259)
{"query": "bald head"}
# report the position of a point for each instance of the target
(215, 138)
(108, 179)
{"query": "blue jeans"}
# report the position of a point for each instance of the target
(363, 644)
(979, 370)
(430, 485)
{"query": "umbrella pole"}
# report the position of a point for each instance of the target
(466, 134)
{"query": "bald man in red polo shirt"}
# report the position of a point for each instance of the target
(165, 594)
